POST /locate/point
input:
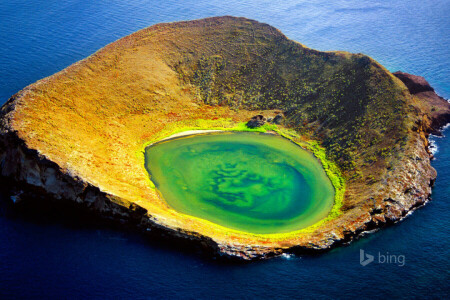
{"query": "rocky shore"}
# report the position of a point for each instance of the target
(43, 157)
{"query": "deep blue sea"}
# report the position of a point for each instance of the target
(51, 257)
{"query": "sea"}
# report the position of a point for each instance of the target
(46, 256)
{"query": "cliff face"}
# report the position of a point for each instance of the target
(434, 108)
(77, 136)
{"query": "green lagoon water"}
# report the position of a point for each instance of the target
(253, 182)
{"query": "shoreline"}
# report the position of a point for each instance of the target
(205, 131)
(97, 164)
(186, 133)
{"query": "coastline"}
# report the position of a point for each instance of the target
(44, 169)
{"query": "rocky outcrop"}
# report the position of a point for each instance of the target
(256, 121)
(415, 84)
(437, 110)
(278, 119)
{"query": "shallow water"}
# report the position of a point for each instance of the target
(60, 258)
(252, 182)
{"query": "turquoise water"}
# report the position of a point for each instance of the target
(252, 182)
(61, 258)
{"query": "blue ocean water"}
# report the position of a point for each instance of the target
(56, 258)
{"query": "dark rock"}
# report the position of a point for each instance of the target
(415, 84)
(256, 121)
(278, 119)
(439, 121)
(137, 210)
(438, 107)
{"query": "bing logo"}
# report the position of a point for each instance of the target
(364, 258)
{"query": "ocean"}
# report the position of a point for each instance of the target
(49, 256)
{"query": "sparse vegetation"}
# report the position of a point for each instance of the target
(347, 101)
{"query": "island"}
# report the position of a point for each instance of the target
(81, 137)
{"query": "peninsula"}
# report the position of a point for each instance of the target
(80, 136)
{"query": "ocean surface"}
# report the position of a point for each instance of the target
(56, 257)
